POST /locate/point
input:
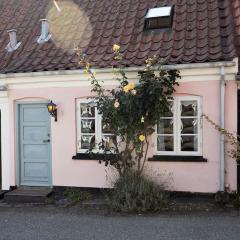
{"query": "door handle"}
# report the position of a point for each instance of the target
(46, 141)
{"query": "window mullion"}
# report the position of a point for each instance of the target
(79, 119)
(178, 126)
(199, 126)
(98, 129)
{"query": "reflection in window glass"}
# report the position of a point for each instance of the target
(88, 126)
(87, 110)
(165, 126)
(189, 143)
(170, 111)
(189, 108)
(165, 143)
(189, 126)
(88, 141)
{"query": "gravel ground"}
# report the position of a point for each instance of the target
(50, 222)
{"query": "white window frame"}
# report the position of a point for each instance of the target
(79, 128)
(159, 12)
(176, 128)
(98, 127)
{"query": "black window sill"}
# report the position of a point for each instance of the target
(169, 158)
(155, 158)
(94, 156)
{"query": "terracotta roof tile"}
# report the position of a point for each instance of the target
(203, 30)
(236, 14)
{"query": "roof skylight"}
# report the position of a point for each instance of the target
(159, 18)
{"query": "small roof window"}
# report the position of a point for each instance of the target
(159, 18)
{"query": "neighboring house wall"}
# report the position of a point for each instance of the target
(231, 110)
(65, 89)
(5, 141)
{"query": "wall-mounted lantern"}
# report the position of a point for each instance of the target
(52, 109)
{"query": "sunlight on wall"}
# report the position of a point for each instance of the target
(69, 27)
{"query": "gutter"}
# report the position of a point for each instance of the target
(222, 125)
(129, 69)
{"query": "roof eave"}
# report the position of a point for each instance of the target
(232, 63)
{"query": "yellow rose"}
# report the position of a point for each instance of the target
(116, 104)
(141, 137)
(131, 86)
(142, 119)
(88, 66)
(126, 89)
(116, 48)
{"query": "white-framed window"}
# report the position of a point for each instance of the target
(179, 130)
(91, 133)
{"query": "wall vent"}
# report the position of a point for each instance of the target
(45, 35)
(13, 44)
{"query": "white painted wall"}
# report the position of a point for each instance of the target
(5, 140)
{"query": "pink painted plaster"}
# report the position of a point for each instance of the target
(193, 177)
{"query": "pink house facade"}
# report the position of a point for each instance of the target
(36, 150)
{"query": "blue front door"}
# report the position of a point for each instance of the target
(34, 145)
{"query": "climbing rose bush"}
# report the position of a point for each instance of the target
(231, 139)
(131, 110)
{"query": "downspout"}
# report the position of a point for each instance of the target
(222, 125)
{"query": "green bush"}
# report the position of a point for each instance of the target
(222, 198)
(77, 196)
(134, 192)
(236, 200)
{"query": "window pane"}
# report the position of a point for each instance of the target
(106, 129)
(189, 108)
(88, 126)
(159, 23)
(88, 142)
(165, 126)
(169, 113)
(189, 143)
(165, 143)
(189, 126)
(109, 142)
(87, 110)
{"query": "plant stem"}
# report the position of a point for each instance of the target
(145, 156)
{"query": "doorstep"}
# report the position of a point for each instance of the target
(28, 195)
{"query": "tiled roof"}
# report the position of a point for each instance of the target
(236, 12)
(202, 31)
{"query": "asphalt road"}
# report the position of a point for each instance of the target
(34, 223)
